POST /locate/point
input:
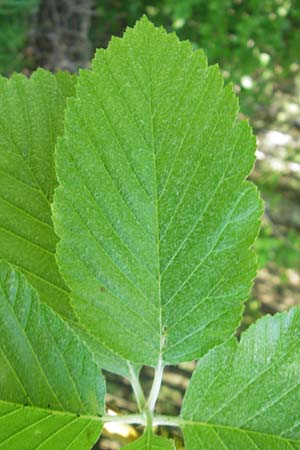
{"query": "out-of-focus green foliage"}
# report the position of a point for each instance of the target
(15, 6)
(283, 250)
(235, 31)
(13, 32)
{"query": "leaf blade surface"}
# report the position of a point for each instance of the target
(152, 209)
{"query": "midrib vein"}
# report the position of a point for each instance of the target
(20, 406)
(161, 343)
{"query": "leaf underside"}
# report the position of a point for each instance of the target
(151, 442)
(31, 118)
(49, 399)
(153, 212)
(247, 395)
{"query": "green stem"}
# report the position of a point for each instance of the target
(168, 421)
(139, 419)
(152, 399)
(137, 388)
(149, 418)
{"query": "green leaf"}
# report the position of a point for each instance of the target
(51, 390)
(151, 442)
(153, 212)
(31, 118)
(247, 395)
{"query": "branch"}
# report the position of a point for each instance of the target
(137, 388)
(139, 419)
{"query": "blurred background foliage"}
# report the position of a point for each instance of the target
(257, 45)
(14, 33)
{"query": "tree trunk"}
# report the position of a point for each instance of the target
(61, 38)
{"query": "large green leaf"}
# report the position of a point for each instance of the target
(51, 390)
(153, 212)
(31, 118)
(247, 395)
(151, 442)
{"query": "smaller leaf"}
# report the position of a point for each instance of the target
(31, 119)
(51, 390)
(247, 395)
(151, 442)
